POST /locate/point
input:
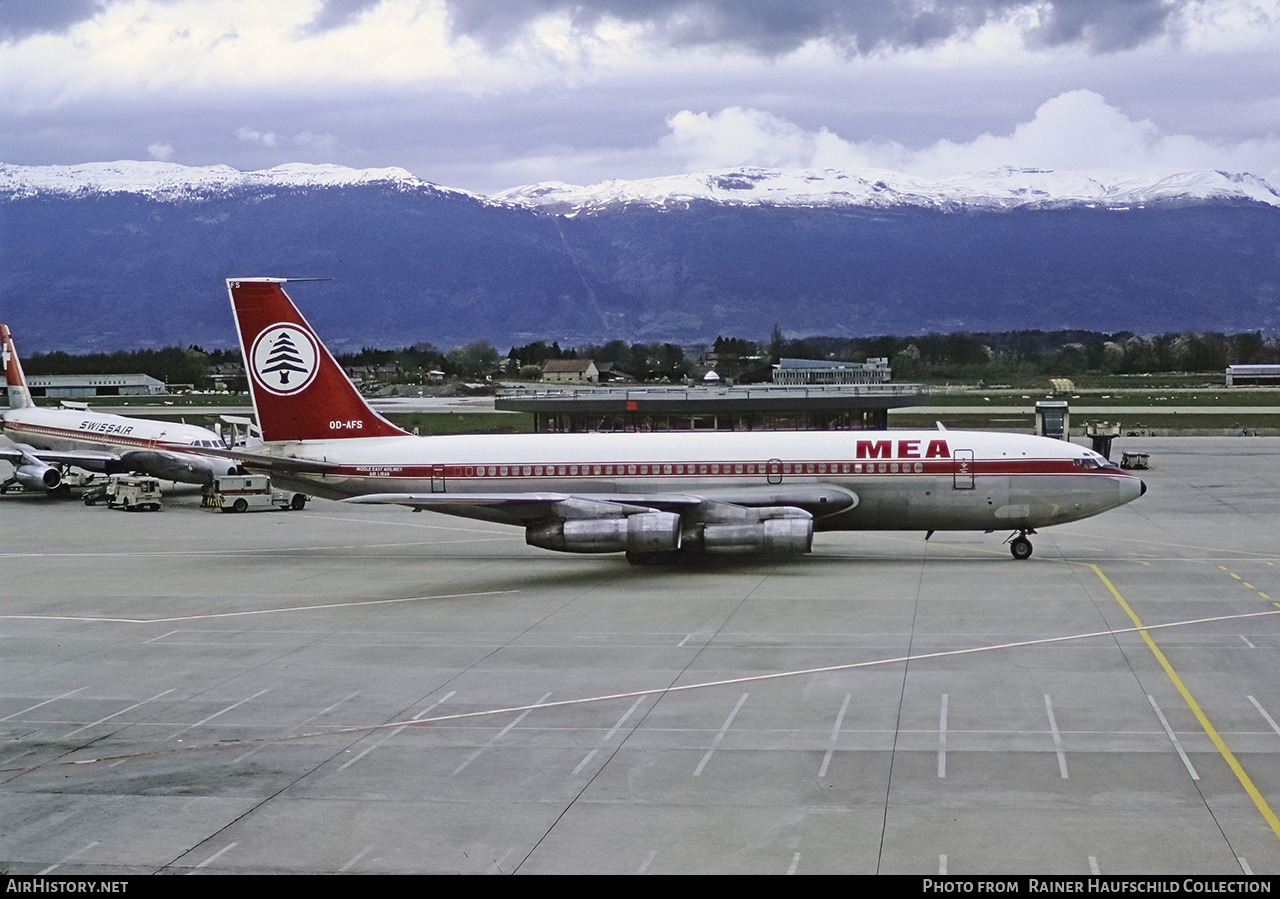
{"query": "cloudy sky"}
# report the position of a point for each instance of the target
(490, 94)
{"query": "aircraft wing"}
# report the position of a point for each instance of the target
(273, 464)
(817, 500)
(89, 460)
(508, 508)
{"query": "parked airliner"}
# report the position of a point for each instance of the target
(650, 495)
(48, 440)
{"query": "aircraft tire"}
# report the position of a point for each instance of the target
(1021, 548)
(240, 505)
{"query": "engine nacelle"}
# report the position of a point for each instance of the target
(38, 476)
(642, 533)
(777, 529)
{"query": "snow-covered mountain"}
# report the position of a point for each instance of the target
(1003, 188)
(135, 254)
(170, 181)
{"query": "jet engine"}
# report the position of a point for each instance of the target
(770, 529)
(38, 476)
(643, 533)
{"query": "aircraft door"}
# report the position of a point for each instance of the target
(773, 470)
(437, 479)
(962, 470)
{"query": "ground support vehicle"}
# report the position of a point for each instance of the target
(129, 492)
(240, 493)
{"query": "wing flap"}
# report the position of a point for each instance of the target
(514, 508)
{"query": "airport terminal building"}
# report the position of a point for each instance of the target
(81, 386)
(756, 407)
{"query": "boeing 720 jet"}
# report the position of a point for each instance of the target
(650, 495)
(46, 441)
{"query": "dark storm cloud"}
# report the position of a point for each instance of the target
(336, 13)
(773, 27)
(23, 18)
(1105, 26)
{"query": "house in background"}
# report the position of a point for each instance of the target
(570, 371)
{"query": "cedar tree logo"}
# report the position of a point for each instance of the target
(284, 359)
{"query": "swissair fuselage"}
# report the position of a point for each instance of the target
(47, 438)
(68, 430)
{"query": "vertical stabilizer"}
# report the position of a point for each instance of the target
(19, 396)
(299, 390)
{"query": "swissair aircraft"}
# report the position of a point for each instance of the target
(48, 440)
(650, 495)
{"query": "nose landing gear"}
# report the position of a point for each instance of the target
(1020, 546)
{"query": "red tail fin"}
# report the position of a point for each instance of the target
(19, 396)
(300, 392)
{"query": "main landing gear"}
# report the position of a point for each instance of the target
(1020, 546)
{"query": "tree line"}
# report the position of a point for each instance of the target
(989, 356)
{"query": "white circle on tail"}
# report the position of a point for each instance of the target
(284, 359)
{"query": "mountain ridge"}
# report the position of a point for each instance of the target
(128, 255)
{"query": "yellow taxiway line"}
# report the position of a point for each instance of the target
(1213, 735)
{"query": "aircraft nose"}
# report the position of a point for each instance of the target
(1131, 488)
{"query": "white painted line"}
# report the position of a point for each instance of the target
(46, 702)
(445, 698)
(942, 864)
(635, 705)
(1263, 713)
(1093, 865)
(648, 860)
(368, 749)
(609, 736)
(1057, 737)
(835, 735)
(1164, 722)
(355, 858)
(942, 739)
(336, 704)
(372, 746)
(329, 605)
(216, 855)
(69, 858)
(1244, 865)
(795, 863)
(582, 764)
(1246, 642)
(852, 666)
(240, 758)
(720, 736)
(498, 736)
(121, 712)
(233, 705)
